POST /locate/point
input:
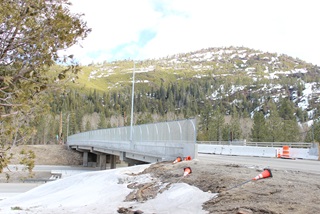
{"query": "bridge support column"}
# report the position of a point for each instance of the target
(112, 161)
(103, 161)
(85, 158)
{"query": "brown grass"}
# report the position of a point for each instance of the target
(48, 155)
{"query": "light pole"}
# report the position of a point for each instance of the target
(68, 126)
(132, 102)
(312, 133)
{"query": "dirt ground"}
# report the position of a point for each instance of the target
(285, 192)
(45, 155)
(49, 155)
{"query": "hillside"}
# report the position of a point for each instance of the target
(235, 69)
(223, 88)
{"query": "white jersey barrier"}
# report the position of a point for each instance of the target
(302, 153)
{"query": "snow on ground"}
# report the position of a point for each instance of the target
(104, 192)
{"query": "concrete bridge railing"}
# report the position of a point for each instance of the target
(261, 149)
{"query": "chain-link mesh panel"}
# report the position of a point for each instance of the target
(166, 139)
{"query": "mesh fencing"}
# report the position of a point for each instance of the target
(165, 139)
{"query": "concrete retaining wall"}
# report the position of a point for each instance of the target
(256, 151)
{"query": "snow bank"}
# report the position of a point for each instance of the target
(104, 192)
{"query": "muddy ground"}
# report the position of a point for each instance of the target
(285, 192)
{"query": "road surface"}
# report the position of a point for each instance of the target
(310, 166)
(12, 189)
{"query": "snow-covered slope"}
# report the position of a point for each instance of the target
(104, 192)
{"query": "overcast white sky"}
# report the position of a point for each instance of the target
(141, 29)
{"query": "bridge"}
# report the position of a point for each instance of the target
(147, 143)
(166, 141)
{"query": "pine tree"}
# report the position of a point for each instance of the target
(102, 121)
(313, 134)
(33, 33)
(286, 110)
(205, 121)
(274, 124)
(290, 131)
(88, 126)
(216, 125)
(258, 131)
(235, 130)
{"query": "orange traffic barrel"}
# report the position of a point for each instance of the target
(285, 152)
(278, 151)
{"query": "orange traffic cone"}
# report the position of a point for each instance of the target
(178, 159)
(265, 174)
(187, 158)
(187, 171)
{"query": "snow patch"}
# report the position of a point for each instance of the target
(104, 192)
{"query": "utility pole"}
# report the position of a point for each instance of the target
(60, 129)
(132, 102)
(67, 126)
(312, 133)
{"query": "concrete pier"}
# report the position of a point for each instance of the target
(112, 161)
(102, 161)
(85, 158)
